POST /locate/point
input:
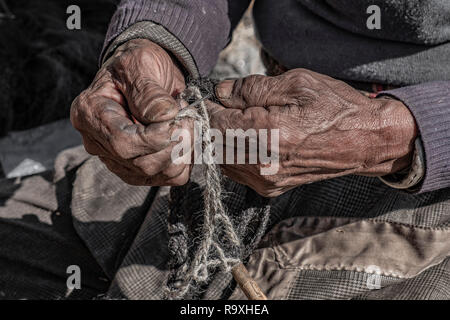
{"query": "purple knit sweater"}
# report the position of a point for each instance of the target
(412, 52)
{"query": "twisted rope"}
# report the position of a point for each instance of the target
(212, 252)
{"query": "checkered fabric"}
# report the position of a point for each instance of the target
(118, 233)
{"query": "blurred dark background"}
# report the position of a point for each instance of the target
(43, 65)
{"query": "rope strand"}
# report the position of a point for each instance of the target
(215, 215)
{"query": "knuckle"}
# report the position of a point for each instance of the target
(77, 110)
(125, 66)
(77, 102)
(148, 171)
(100, 82)
(303, 77)
(123, 61)
(146, 56)
(250, 83)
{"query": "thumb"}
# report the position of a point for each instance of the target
(242, 93)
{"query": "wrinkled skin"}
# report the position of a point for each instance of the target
(327, 129)
(140, 79)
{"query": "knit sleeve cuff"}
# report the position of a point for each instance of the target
(201, 26)
(159, 35)
(430, 105)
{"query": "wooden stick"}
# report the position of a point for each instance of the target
(247, 284)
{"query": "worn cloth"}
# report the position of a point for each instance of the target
(336, 239)
(411, 48)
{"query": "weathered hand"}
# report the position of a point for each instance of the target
(125, 116)
(327, 129)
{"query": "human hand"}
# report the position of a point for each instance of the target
(126, 115)
(327, 129)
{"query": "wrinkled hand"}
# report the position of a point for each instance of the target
(125, 116)
(327, 129)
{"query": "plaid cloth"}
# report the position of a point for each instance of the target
(82, 214)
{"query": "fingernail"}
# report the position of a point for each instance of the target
(225, 89)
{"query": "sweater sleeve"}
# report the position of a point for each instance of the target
(430, 106)
(194, 30)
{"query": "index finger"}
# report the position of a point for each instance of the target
(111, 126)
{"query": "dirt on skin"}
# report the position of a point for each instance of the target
(32, 151)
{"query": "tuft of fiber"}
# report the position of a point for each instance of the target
(205, 86)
